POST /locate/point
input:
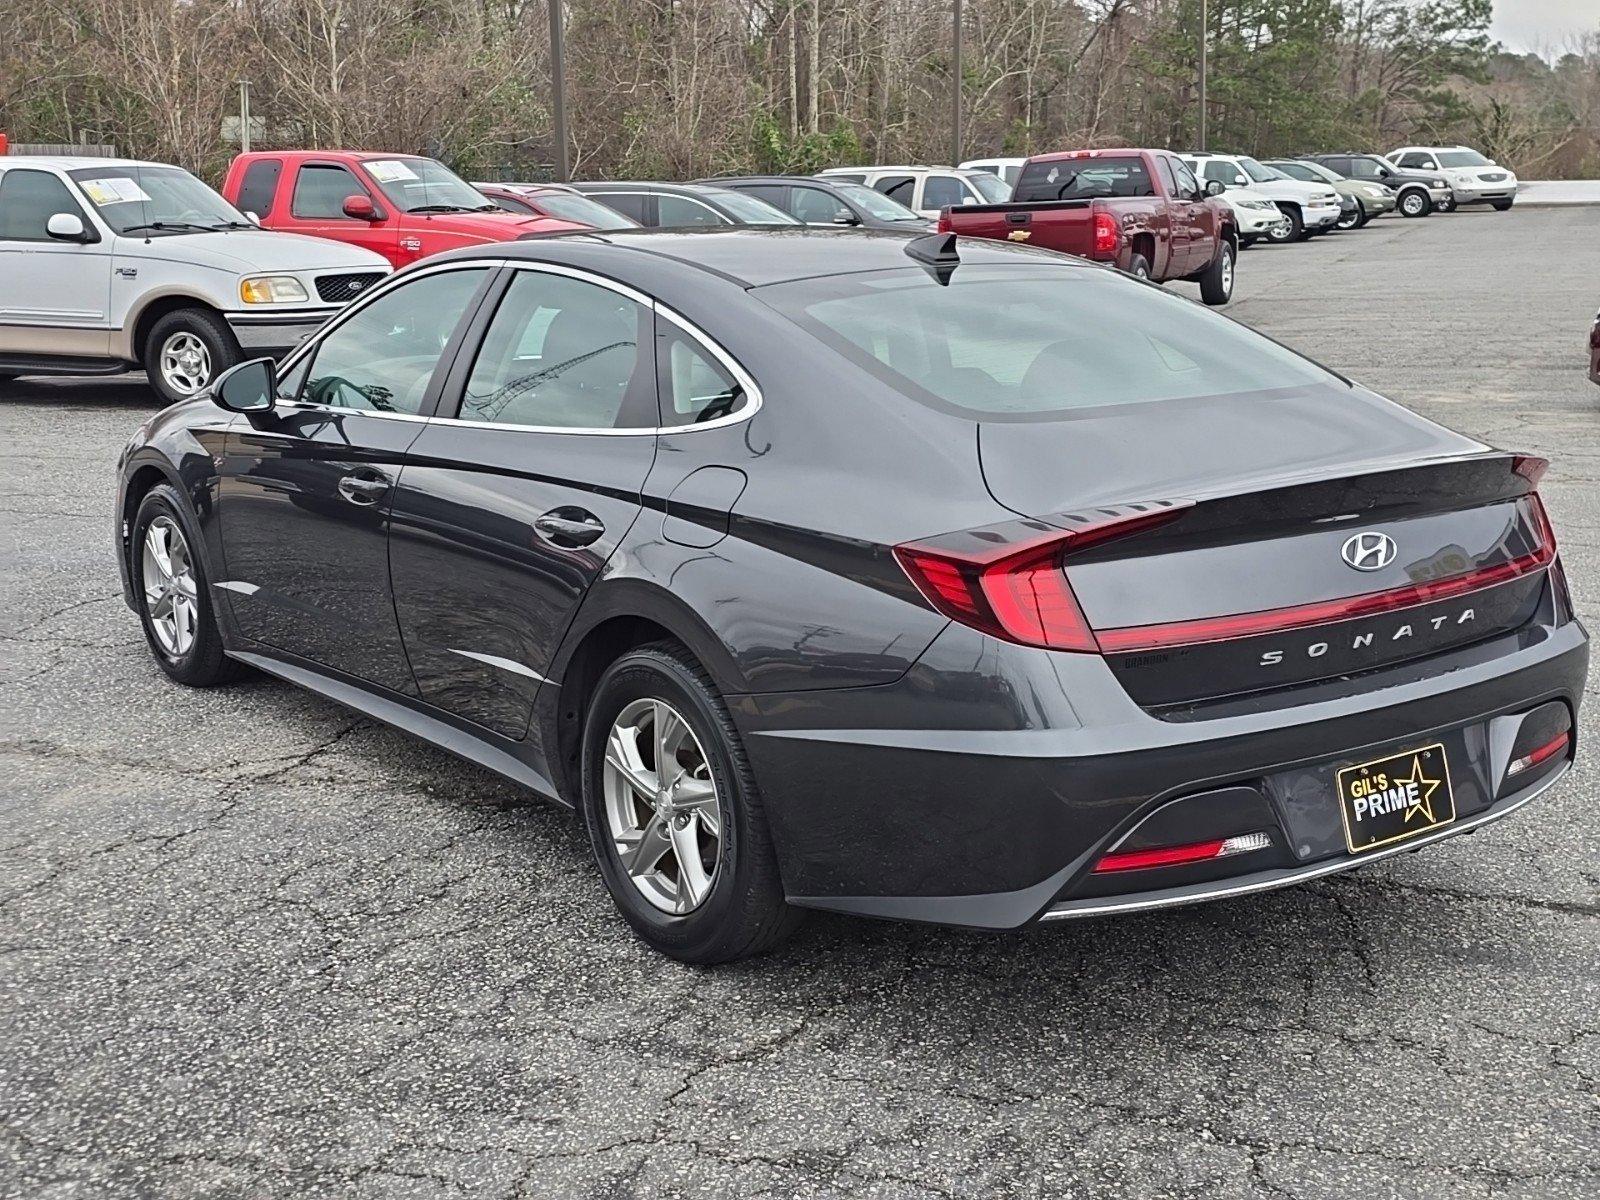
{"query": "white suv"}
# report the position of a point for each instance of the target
(927, 190)
(1007, 169)
(1473, 178)
(1310, 207)
(110, 264)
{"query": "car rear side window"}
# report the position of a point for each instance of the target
(1364, 168)
(259, 186)
(943, 191)
(896, 187)
(28, 199)
(815, 206)
(681, 210)
(320, 190)
(561, 353)
(382, 357)
(1029, 342)
(695, 385)
(1084, 179)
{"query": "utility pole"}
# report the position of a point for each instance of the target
(1205, 36)
(956, 139)
(558, 89)
(244, 116)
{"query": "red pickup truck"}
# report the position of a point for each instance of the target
(1142, 210)
(399, 205)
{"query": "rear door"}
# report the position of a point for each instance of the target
(306, 489)
(55, 296)
(512, 501)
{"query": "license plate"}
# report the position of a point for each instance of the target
(1394, 798)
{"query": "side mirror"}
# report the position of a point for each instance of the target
(360, 208)
(1214, 187)
(249, 387)
(845, 217)
(253, 218)
(66, 227)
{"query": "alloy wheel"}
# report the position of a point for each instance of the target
(171, 593)
(185, 363)
(662, 810)
(1227, 271)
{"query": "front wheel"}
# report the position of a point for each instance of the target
(1216, 284)
(186, 350)
(1448, 204)
(1354, 219)
(674, 815)
(1290, 229)
(173, 597)
(1500, 205)
(1415, 203)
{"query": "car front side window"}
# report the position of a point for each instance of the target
(28, 199)
(320, 190)
(381, 358)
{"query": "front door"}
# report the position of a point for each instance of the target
(306, 488)
(507, 513)
(56, 295)
(316, 207)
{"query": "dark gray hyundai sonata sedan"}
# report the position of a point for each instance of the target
(879, 573)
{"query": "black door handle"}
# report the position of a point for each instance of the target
(569, 527)
(1019, 218)
(363, 489)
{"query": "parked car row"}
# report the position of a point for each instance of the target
(129, 264)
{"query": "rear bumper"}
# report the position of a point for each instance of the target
(276, 334)
(881, 806)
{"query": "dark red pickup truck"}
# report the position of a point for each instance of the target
(1142, 210)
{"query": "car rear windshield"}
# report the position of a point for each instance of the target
(572, 207)
(1036, 342)
(1084, 179)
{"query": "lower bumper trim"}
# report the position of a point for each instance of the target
(1288, 877)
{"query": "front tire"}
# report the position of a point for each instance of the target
(1415, 203)
(173, 594)
(1355, 219)
(1293, 233)
(1216, 283)
(674, 814)
(1501, 205)
(186, 350)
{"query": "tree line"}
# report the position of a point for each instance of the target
(683, 88)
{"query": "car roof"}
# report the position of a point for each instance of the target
(73, 162)
(727, 181)
(648, 185)
(1098, 152)
(886, 167)
(755, 257)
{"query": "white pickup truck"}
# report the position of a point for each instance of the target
(109, 264)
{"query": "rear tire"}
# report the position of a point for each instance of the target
(1296, 230)
(740, 910)
(186, 351)
(1415, 203)
(1139, 267)
(1216, 282)
(174, 600)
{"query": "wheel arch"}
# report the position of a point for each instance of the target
(136, 332)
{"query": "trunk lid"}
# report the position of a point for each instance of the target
(1328, 533)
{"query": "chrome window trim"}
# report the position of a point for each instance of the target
(752, 391)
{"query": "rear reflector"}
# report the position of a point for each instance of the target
(1549, 750)
(1324, 612)
(1015, 588)
(1174, 856)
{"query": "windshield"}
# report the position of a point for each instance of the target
(877, 204)
(1257, 172)
(156, 200)
(422, 185)
(990, 187)
(1463, 158)
(570, 207)
(1039, 342)
(752, 210)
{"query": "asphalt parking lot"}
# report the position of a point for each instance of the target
(253, 946)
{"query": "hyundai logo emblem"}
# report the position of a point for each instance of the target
(1369, 551)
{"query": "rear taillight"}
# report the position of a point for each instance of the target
(1106, 234)
(944, 225)
(1015, 587)
(1177, 856)
(1532, 759)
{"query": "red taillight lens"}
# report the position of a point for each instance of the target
(944, 225)
(1177, 856)
(1016, 587)
(1106, 234)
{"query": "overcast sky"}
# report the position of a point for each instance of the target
(1541, 25)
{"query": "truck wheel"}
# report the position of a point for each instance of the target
(1295, 230)
(1216, 283)
(1139, 267)
(1415, 203)
(186, 350)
